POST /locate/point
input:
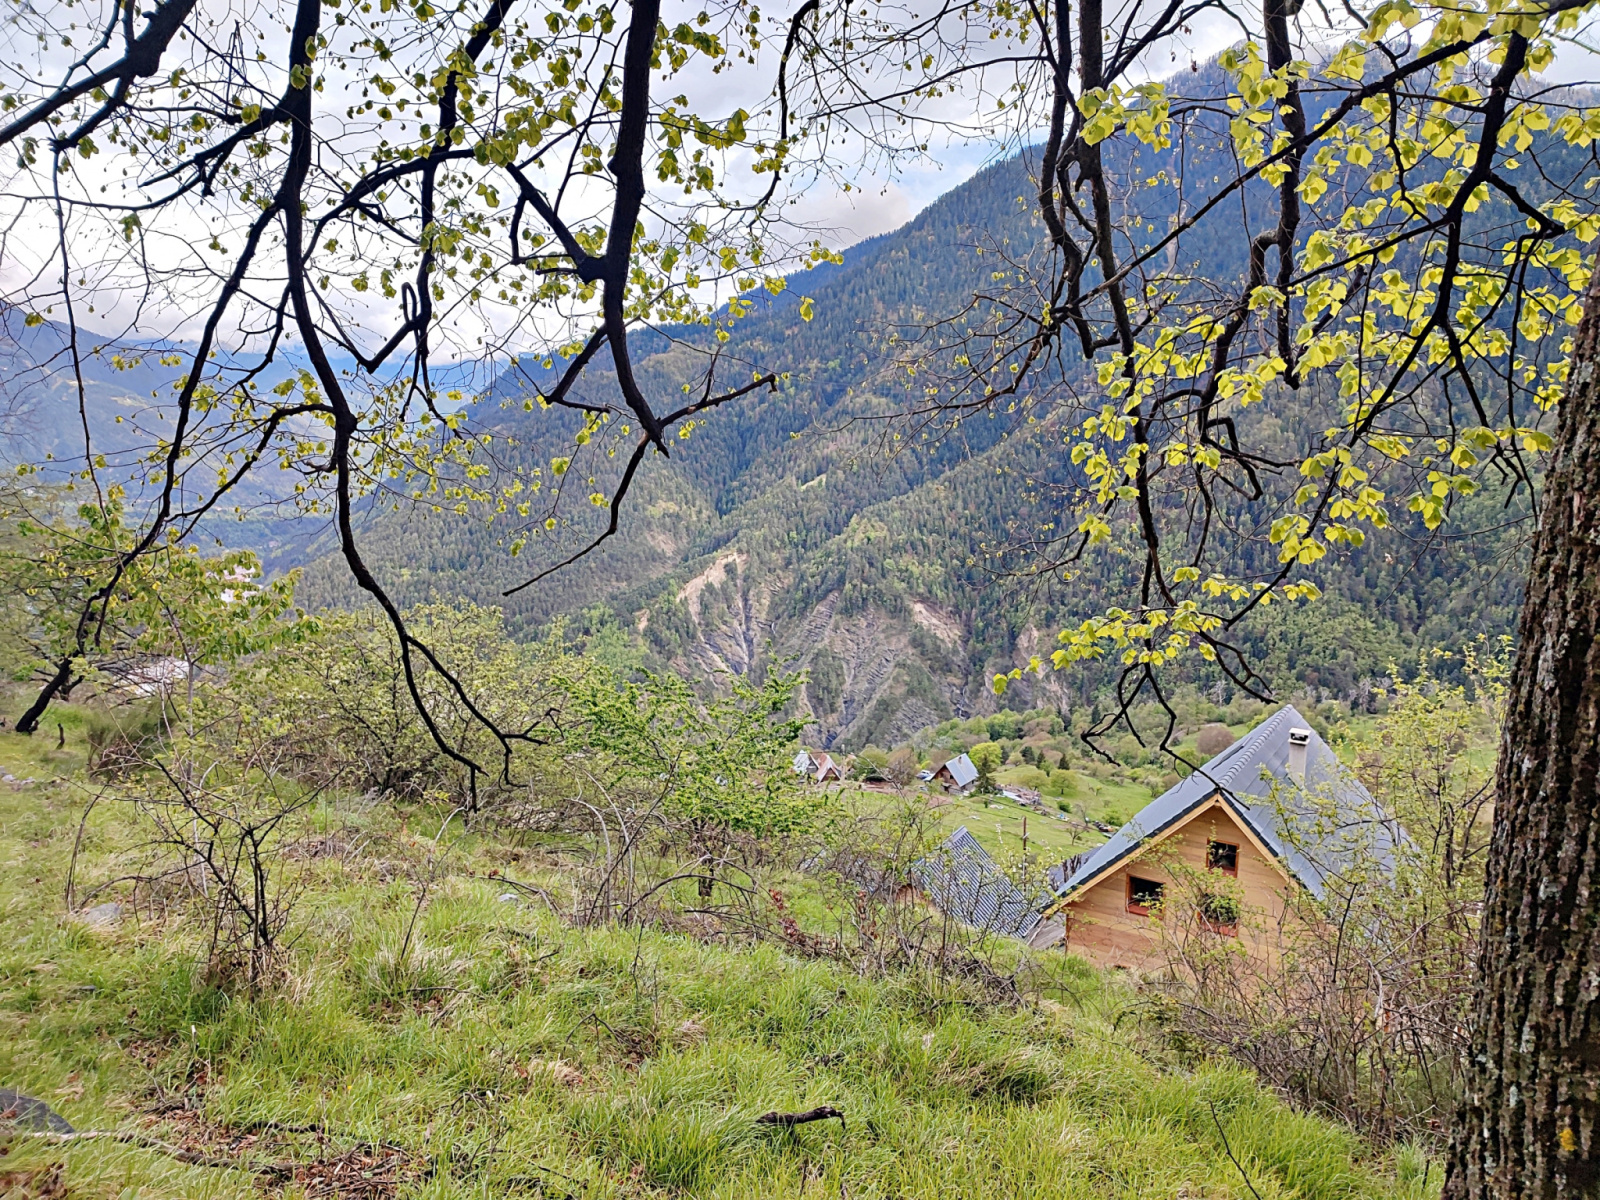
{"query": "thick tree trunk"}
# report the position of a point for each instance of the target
(1529, 1122)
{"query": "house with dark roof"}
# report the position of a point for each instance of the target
(1222, 852)
(957, 775)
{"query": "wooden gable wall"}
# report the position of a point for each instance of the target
(1100, 927)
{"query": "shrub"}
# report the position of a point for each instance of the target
(1213, 739)
(1361, 1009)
(123, 738)
(357, 724)
(222, 801)
(902, 766)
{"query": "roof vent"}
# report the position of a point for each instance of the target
(1299, 739)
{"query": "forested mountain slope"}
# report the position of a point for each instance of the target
(806, 523)
(795, 525)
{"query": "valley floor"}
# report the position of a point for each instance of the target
(438, 1035)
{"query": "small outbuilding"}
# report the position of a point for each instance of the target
(965, 882)
(957, 775)
(819, 767)
(827, 769)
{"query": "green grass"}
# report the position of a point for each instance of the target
(997, 823)
(37, 757)
(546, 1061)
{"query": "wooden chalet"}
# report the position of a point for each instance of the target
(1273, 813)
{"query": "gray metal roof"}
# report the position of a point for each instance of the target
(1332, 815)
(962, 771)
(964, 881)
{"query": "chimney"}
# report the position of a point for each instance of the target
(1299, 739)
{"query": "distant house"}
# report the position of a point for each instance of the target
(957, 775)
(819, 767)
(1115, 905)
(146, 675)
(965, 882)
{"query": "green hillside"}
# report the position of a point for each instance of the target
(436, 1035)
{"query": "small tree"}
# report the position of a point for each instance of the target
(1213, 739)
(871, 764)
(647, 756)
(79, 599)
(986, 757)
(222, 799)
(902, 766)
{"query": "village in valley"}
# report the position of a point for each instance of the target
(1235, 840)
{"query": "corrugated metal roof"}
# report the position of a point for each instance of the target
(965, 882)
(961, 770)
(1244, 775)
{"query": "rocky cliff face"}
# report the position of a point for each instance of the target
(874, 675)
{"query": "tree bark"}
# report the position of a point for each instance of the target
(1529, 1121)
(28, 722)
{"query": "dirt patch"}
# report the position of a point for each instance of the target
(39, 1183)
(281, 1154)
(365, 1173)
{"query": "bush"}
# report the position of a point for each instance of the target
(1213, 739)
(1363, 1006)
(357, 724)
(902, 766)
(871, 764)
(121, 739)
(222, 802)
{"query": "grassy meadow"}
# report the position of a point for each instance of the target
(435, 1033)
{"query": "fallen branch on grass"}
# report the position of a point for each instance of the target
(145, 1142)
(525, 888)
(320, 1178)
(1227, 1149)
(790, 1120)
